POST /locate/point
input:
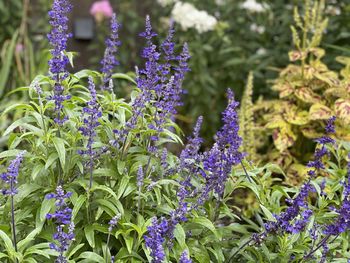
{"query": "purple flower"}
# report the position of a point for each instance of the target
(10, 177)
(285, 222)
(330, 125)
(167, 48)
(140, 177)
(317, 163)
(90, 122)
(225, 153)
(109, 61)
(160, 85)
(65, 227)
(113, 222)
(342, 222)
(184, 258)
(155, 239)
(58, 38)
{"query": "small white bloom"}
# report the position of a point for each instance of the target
(333, 10)
(189, 17)
(220, 2)
(257, 29)
(254, 6)
(261, 51)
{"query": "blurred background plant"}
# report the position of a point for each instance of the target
(309, 93)
(227, 39)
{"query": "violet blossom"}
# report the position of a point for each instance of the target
(286, 221)
(184, 258)
(65, 227)
(109, 61)
(225, 153)
(342, 222)
(10, 176)
(58, 38)
(155, 239)
(90, 122)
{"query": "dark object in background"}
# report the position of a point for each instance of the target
(84, 28)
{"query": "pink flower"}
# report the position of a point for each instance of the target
(101, 9)
(19, 48)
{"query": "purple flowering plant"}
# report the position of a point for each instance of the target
(110, 179)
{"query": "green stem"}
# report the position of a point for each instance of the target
(108, 238)
(13, 225)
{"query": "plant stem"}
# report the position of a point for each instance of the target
(108, 238)
(246, 173)
(91, 170)
(13, 225)
(243, 246)
(320, 244)
(139, 200)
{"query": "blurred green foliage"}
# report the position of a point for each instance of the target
(223, 57)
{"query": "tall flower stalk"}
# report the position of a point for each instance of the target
(90, 122)
(224, 154)
(64, 225)
(10, 189)
(58, 38)
(109, 61)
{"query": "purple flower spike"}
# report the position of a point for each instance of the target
(58, 38)
(113, 222)
(155, 239)
(109, 61)
(184, 258)
(90, 122)
(65, 227)
(10, 177)
(342, 223)
(225, 153)
(140, 177)
(286, 222)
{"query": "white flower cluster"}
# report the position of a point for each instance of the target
(165, 3)
(257, 29)
(253, 6)
(189, 17)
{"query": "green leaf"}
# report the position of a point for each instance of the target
(74, 250)
(207, 224)
(17, 123)
(61, 151)
(30, 237)
(9, 153)
(90, 236)
(267, 213)
(7, 242)
(2, 255)
(128, 242)
(180, 235)
(77, 205)
(122, 186)
(91, 257)
(123, 76)
(46, 206)
(17, 106)
(7, 62)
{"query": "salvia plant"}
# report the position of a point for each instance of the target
(90, 177)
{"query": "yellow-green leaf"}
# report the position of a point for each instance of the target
(319, 112)
(307, 95)
(342, 110)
